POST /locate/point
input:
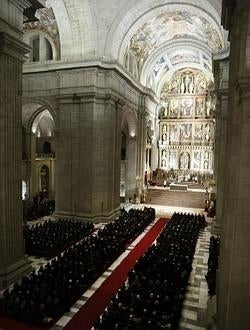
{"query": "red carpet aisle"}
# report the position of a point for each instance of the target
(86, 316)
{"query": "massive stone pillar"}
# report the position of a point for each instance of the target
(88, 155)
(233, 289)
(12, 50)
(141, 147)
(220, 139)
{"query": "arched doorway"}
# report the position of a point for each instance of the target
(128, 156)
(39, 144)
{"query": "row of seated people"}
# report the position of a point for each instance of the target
(51, 237)
(46, 294)
(213, 264)
(152, 297)
(32, 211)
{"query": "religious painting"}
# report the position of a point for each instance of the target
(173, 160)
(186, 132)
(197, 160)
(198, 132)
(187, 83)
(173, 133)
(171, 26)
(200, 107)
(164, 153)
(164, 128)
(163, 163)
(173, 107)
(206, 160)
(184, 57)
(184, 161)
(207, 132)
(164, 137)
(186, 107)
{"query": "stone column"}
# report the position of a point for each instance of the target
(88, 152)
(220, 141)
(33, 168)
(12, 257)
(233, 289)
(141, 145)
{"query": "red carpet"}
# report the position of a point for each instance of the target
(84, 319)
(98, 302)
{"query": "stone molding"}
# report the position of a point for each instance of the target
(90, 216)
(242, 86)
(12, 46)
(84, 83)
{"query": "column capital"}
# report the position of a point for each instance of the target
(12, 46)
(242, 85)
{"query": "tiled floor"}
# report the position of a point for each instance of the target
(194, 313)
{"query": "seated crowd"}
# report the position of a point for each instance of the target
(153, 295)
(213, 264)
(32, 211)
(46, 294)
(51, 237)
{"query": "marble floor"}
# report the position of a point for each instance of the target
(194, 312)
(195, 304)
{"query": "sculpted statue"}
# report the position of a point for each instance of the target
(174, 107)
(184, 161)
(199, 107)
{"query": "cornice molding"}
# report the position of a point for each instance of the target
(242, 86)
(12, 46)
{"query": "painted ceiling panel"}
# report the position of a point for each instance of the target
(173, 26)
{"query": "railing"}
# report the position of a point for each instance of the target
(45, 155)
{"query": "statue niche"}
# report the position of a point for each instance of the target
(186, 107)
(184, 161)
(187, 83)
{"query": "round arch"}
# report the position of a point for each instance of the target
(132, 18)
(29, 34)
(129, 117)
(77, 28)
(32, 107)
(189, 53)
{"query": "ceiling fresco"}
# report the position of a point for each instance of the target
(178, 57)
(173, 26)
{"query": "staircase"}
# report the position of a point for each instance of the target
(176, 198)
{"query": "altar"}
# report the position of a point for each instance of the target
(178, 186)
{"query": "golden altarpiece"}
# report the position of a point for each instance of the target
(186, 126)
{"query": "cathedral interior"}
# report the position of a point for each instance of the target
(124, 113)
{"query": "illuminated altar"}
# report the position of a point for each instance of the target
(186, 125)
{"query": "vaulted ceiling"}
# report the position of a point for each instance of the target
(161, 36)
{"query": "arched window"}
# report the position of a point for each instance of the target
(131, 63)
(42, 49)
(48, 49)
(35, 49)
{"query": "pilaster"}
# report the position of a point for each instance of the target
(141, 145)
(233, 290)
(220, 141)
(12, 50)
(88, 156)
